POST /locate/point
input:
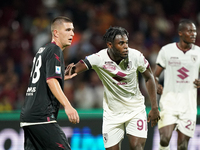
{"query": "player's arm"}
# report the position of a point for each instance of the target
(72, 70)
(86, 64)
(157, 73)
(154, 114)
(60, 96)
(81, 66)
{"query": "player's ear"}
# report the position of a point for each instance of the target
(180, 33)
(109, 45)
(55, 33)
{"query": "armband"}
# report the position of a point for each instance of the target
(87, 63)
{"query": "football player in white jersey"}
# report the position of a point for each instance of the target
(178, 103)
(117, 67)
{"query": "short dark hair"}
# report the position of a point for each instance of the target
(111, 33)
(59, 20)
(184, 22)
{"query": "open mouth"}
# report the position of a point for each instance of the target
(125, 53)
(193, 39)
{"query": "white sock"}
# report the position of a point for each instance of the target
(164, 148)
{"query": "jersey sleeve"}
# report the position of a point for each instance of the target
(161, 58)
(93, 60)
(53, 63)
(142, 63)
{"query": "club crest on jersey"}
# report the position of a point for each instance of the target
(129, 66)
(58, 70)
(194, 58)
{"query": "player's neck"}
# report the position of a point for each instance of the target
(113, 57)
(58, 44)
(184, 46)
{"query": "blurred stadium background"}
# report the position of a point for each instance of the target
(25, 26)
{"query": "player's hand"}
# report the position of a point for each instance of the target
(197, 83)
(159, 89)
(72, 115)
(68, 72)
(153, 116)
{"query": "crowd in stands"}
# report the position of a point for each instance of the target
(25, 26)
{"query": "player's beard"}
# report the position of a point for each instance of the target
(124, 57)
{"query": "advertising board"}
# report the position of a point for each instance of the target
(83, 136)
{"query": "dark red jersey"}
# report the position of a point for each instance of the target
(40, 104)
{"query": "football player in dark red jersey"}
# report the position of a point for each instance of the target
(45, 92)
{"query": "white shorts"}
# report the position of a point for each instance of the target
(114, 126)
(185, 122)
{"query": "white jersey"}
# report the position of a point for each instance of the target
(181, 70)
(121, 88)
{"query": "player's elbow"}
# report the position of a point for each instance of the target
(51, 81)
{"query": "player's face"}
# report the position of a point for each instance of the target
(188, 34)
(66, 33)
(120, 47)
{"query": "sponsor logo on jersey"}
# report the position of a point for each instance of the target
(121, 74)
(183, 73)
(56, 56)
(58, 70)
(182, 81)
(194, 58)
(30, 91)
(109, 62)
(109, 67)
(120, 83)
(174, 61)
(118, 78)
